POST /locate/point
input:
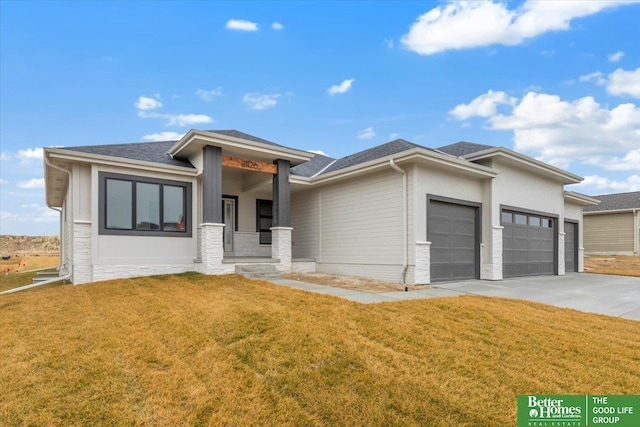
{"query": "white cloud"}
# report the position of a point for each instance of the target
(258, 101)
(47, 215)
(469, 24)
(341, 88)
(623, 82)
(558, 131)
(394, 136)
(241, 25)
(187, 119)
(209, 95)
(163, 136)
(29, 155)
(277, 26)
(31, 205)
(322, 153)
(388, 43)
(4, 157)
(8, 215)
(631, 161)
(596, 183)
(367, 133)
(145, 103)
(3, 181)
(32, 183)
(596, 76)
(485, 105)
(615, 57)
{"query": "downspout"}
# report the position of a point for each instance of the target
(405, 221)
(48, 163)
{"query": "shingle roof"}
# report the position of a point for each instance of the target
(313, 166)
(384, 150)
(237, 134)
(463, 148)
(612, 202)
(155, 152)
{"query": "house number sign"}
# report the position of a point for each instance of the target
(248, 164)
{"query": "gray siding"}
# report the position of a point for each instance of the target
(609, 233)
(305, 211)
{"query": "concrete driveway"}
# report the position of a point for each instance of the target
(595, 293)
(617, 296)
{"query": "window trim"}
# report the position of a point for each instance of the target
(102, 205)
(258, 217)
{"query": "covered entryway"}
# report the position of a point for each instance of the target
(570, 247)
(453, 229)
(529, 244)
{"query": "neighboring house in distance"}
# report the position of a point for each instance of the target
(613, 226)
(216, 200)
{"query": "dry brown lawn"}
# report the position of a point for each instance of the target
(611, 264)
(197, 350)
(17, 271)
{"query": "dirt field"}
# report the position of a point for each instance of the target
(618, 265)
(349, 282)
(16, 246)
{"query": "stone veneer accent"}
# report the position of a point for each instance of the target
(561, 271)
(492, 270)
(281, 247)
(248, 244)
(422, 270)
(212, 250)
(126, 271)
(82, 271)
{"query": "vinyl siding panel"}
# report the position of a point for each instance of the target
(362, 226)
(305, 211)
(610, 233)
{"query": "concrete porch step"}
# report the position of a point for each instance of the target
(258, 271)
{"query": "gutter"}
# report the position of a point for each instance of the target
(405, 221)
(35, 285)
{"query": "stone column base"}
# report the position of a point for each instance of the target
(422, 271)
(211, 248)
(580, 260)
(281, 247)
(492, 270)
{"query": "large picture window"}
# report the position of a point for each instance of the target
(264, 220)
(131, 205)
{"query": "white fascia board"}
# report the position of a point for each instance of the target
(580, 199)
(76, 156)
(610, 211)
(568, 177)
(410, 155)
(226, 141)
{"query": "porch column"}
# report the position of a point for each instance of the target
(211, 240)
(212, 185)
(281, 230)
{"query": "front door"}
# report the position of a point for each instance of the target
(229, 220)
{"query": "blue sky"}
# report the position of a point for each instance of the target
(558, 81)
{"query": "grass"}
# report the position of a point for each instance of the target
(20, 270)
(197, 350)
(613, 264)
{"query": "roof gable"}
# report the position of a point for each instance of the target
(313, 166)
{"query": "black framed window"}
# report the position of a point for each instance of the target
(264, 220)
(132, 205)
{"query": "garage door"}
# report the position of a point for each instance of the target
(528, 244)
(570, 247)
(452, 229)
